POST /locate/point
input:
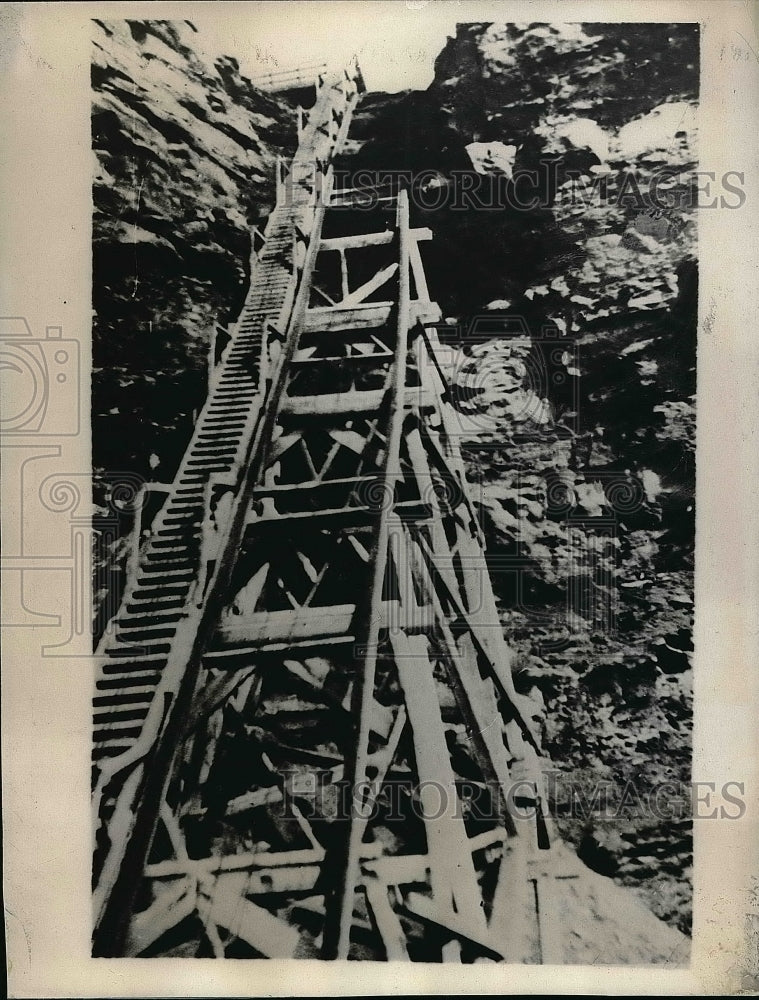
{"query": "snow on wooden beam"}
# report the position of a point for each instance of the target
(327, 319)
(338, 403)
(369, 287)
(265, 861)
(366, 315)
(430, 911)
(173, 905)
(334, 519)
(228, 908)
(264, 629)
(359, 240)
(267, 627)
(386, 921)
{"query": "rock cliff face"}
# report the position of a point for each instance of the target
(591, 496)
(184, 167)
(572, 335)
(554, 164)
(184, 151)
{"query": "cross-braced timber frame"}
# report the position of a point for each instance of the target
(310, 625)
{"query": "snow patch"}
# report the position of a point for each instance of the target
(582, 133)
(663, 131)
(492, 157)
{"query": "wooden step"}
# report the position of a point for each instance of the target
(189, 516)
(210, 465)
(127, 730)
(165, 538)
(113, 749)
(171, 557)
(148, 591)
(116, 678)
(127, 696)
(222, 443)
(132, 648)
(129, 629)
(134, 619)
(118, 715)
(143, 605)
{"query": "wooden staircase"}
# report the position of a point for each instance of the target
(135, 648)
(313, 598)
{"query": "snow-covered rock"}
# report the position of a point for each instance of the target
(566, 132)
(492, 157)
(666, 134)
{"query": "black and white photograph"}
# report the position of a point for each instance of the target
(404, 385)
(388, 594)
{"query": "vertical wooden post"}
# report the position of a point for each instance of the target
(339, 905)
(344, 274)
(278, 176)
(134, 553)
